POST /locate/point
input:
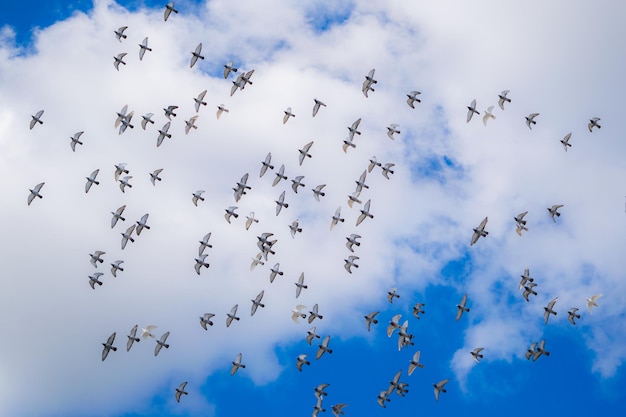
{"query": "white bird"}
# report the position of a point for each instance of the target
(364, 213)
(479, 231)
(352, 240)
(96, 257)
(503, 98)
(91, 179)
(154, 176)
(197, 196)
(323, 348)
(301, 360)
(593, 122)
(161, 343)
(415, 363)
(387, 169)
(304, 152)
(232, 315)
(124, 182)
(147, 332)
(554, 211)
(142, 224)
(132, 338)
(392, 129)
(117, 215)
(257, 303)
(230, 212)
(228, 68)
(143, 47)
(195, 55)
(313, 314)
(36, 119)
(393, 324)
(115, 266)
(75, 140)
(127, 235)
(181, 391)
(287, 115)
(199, 101)
(565, 141)
(439, 387)
(571, 315)
(35, 192)
(349, 263)
(191, 124)
(530, 120)
(591, 302)
(206, 319)
(275, 271)
(476, 354)
(549, 309)
(280, 203)
(412, 98)
(488, 115)
(266, 164)
(221, 109)
(201, 263)
(316, 106)
(169, 8)
(471, 109)
(119, 59)
(108, 345)
(369, 81)
(296, 313)
(280, 175)
(317, 192)
(94, 279)
(250, 219)
(461, 307)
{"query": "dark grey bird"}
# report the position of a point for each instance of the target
(280, 175)
(415, 363)
(108, 345)
(180, 391)
(540, 350)
(132, 338)
(317, 191)
(36, 119)
(439, 387)
(94, 280)
(311, 335)
(371, 319)
(476, 354)
(275, 271)
(412, 98)
(417, 310)
(323, 348)
(161, 343)
(145, 119)
(169, 8)
(571, 315)
(127, 235)
(549, 309)
(554, 211)
(142, 224)
(593, 122)
(96, 257)
(300, 285)
(204, 243)
(565, 141)
(75, 140)
(35, 192)
(313, 314)
(228, 68)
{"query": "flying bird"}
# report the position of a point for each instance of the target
(275, 271)
(549, 309)
(287, 115)
(96, 257)
(323, 348)
(170, 111)
(142, 224)
(471, 109)
(554, 211)
(593, 122)
(94, 279)
(476, 354)
(197, 196)
(364, 213)
(304, 152)
(75, 140)
(526, 278)
(108, 345)
(124, 182)
(316, 106)
(530, 120)
(201, 263)
(352, 240)
(392, 129)
(415, 363)
(310, 335)
(387, 169)
(161, 343)
(528, 290)
(125, 122)
(520, 223)
(417, 310)
(91, 179)
(369, 81)
(181, 391)
(382, 397)
(206, 319)
(119, 59)
(297, 182)
(266, 164)
(300, 285)
(502, 98)
(115, 266)
(461, 307)
(373, 163)
(280, 203)
(540, 350)
(280, 175)
(313, 314)
(488, 115)
(119, 170)
(117, 215)
(127, 235)
(317, 192)
(169, 8)
(393, 324)
(220, 109)
(296, 313)
(204, 243)
(143, 47)
(571, 315)
(199, 101)
(236, 364)
(591, 302)
(347, 143)
(119, 33)
(479, 231)
(349, 263)
(391, 294)
(36, 119)
(412, 98)
(120, 116)
(338, 409)
(439, 387)
(250, 219)
(191, 124)
(228, 68)
(232, 315)
(371, 319)
(301, 360)
(154, 176)
(147, 332)
(257, 303)
(35, 192)
(132, 338)
(565, 141)
(353, 129)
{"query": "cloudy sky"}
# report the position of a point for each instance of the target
(562, 60)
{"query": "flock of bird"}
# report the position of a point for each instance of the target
(266, 241)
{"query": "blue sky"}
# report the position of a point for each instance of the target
(449, 175)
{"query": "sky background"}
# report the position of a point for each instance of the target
(562, 60)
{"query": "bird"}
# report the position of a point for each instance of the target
(127, 235)
(395, 383)
(181, 391)
(108, 345)
(530, 120)
(301, 360)
(540, 350)
(115, 266)
(571, 315)
(241, 81)
(96, 257)
(275, 271)
(241, 187)
(287, 115)
(479, 231)
(530, 351)
(323, 347)
(417, 309)
(488, 115)
(549, 309)
(228, 68)
(471, 109)
(393, 324)
(387, 169)
(35, 192)
(297, 182)
(191, 124)
(364, 213)
(75, 140)
(143, 47)
(36, 119)
(280, 175)
(319, 391)
(317, 408)
(124, 182)
(197, 196)
(142, 224)
(391, 294)
(412, 98)
(352, 129)
(300, 285)
(369, 81)
(525, 279)
(169, 8)
(338, 409)
(206, 319)
(373, 163)
(304, 152)
(93, 280)
(371, 319)
(147, 332)
(163, 133)
(593, 122)
(317, 105)
(591, 302)
(266, 164)
(119, 170)
(201, 263)
(502, 98)
(120, 116)
(199, 101)
(520, 223)
(565, 141)
(119, 59)
(382, 397)
(170, 111)
(161, 343)
(313, 314)
(132, 338)
(347, 143)
(439, 387)
(154, 176)
(404, 337)
(232, 315)
(310, 335)
(392, 129)
(280, 203)
(476, 354)
(336, 218)
(349, 263)
(195, 55)
(236, 364)
(415, 363)
(528, 290)
(554, 211)
(220, 109)
(461, 307)
(117, 215)
(257, 303)
(296, 313)
(204, 243)
(352, 240)
(317, 192)
(125, 122)
(250, 219)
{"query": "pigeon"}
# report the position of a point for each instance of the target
(96, 257)
(300, 285)
(147, 332)
(353, 128)
(241, 187)
(115, 266)
(479, 231)
(75, 140)
(530, 120)
(206, 319)
(266, 164)
(201, 263)
(415, 363)
(371, 319)
(310, 335)
(549, 309)
(280, 175)
(35, 192)
(241, 81)
(319, 391)
(364, 213)
(93, 280)
(354, 198)
(488, 115)
(154, 176)
(232, 315)
(36, 119)
(304, 152)
(197, 196)
(382, 397)
(338, 409)
(301, 360)
(554, 211)
(471, 109)
(520, 223)
(117, 215)
(163, 133)
(417, 309)
(236, 364)
(530, 351)
(476, 354)
(317, 191)
(257, 303)
(502, 97)
(391, 130)
(349, 263)
(540, 350)
(317, 408)
(132, 338)
(119, 170)
(287, 115)
(323, 348)
(393, 324)
(119, 59)
(591, 302)
(161, 343)
(199, 101)
(373, 163)
(404, 338)
(220, 109)
(297, 182)
(347, 143)
(352, 240)
(565, 141)
(593, 122)
(528, 289)
(181, 391)
(124, 182)
(461, 307)
(394, 384)
(439, 387)
(369, 81)
(204, 243)
(250, 219)
(125, 122)
(142, 224)
(391, 294)
(169, 8)
(108, 345)
(127, 235)
(228, 68)
(195, 55)
(256, 261)
(336, 218)
(191, 124)
(275, 271)
(525, 279)
(571, 315)
(313, 314)
(316, 106)
(296, 313)
(143, 47)
(387, 169)
(412, 98)
(280, 203)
